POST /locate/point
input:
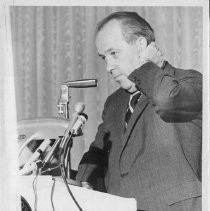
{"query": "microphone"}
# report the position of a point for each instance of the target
(30, 164)
(79, 108)
(43, 146)
(29, 168)
(85, 83)
(82, 118)
(52, 151)
(78, 124)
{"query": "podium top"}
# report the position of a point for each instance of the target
(89, 200)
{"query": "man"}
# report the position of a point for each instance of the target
(155, 156)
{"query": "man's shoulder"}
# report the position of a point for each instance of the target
(118, 94)
(188, 71)
(116, 98)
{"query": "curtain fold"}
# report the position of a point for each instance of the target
(8, 127)
(56, 44)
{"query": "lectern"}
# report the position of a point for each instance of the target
(48, 194)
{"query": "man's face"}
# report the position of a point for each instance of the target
(121, 58)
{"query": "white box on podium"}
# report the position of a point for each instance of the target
(89, 200)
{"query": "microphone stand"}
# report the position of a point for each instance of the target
(67, 160)
(50, 154)
(64, 150)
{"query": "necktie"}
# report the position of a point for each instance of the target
(135, 98)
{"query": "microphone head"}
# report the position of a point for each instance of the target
(79, 107)
(84, 83)
(84, 117)
(76, 129)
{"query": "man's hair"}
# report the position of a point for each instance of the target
(133, 26)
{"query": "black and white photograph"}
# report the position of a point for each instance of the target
(104, 105)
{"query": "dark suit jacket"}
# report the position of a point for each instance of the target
(157, 159)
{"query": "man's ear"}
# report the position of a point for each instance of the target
(141, 44)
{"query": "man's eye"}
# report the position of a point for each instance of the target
(114, 53)
(103, 57)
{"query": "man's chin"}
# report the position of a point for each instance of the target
(128, 87)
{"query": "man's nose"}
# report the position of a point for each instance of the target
(109, 65)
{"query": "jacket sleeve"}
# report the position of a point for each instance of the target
(176, 94)
(93, 164)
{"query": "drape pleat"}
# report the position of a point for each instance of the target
(8, 127)
(52, 45)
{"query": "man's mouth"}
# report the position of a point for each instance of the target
(117, 77)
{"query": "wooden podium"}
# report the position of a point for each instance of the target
(89, 200)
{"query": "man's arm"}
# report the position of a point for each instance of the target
(94, 162)
(175, 93)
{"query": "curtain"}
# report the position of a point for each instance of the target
(52, 45)
(8, 134)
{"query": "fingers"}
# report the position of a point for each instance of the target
(152, 53)
(87, 185)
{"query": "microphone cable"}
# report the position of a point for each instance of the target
(68, 159)
(35, 191)
(49, 169)
(63, 173)
(51, 195)
(66, 152)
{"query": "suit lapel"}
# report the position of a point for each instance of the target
(141, 105)
(120, 114)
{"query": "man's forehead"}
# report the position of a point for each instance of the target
(111, 26)
(108, 46)
(110, 37)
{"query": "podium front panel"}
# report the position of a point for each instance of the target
(47, 188)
